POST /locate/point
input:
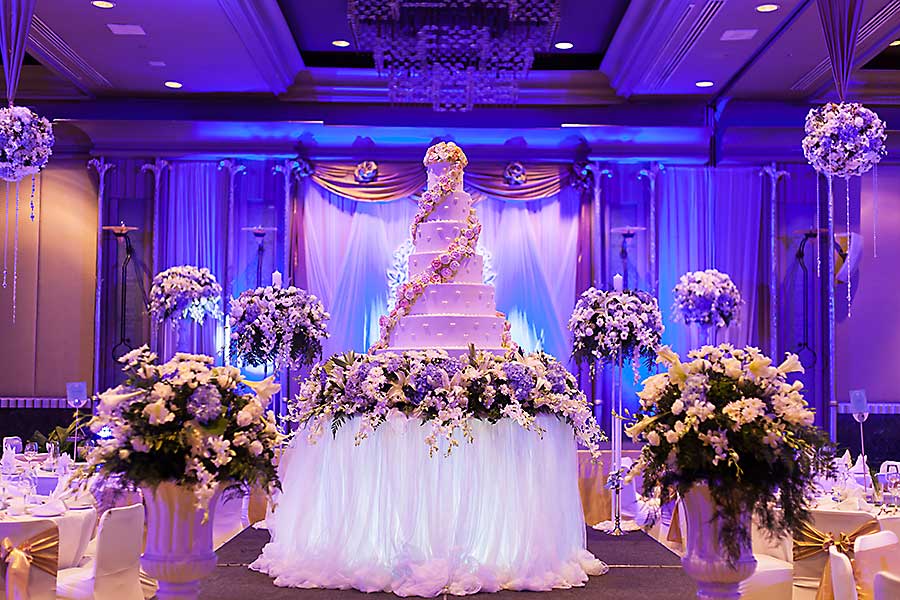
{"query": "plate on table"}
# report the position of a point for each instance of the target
(79, 504)
(45, 510)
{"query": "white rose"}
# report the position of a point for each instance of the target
(256, 448)
(677, 407)
(671, 436)
(652, 438)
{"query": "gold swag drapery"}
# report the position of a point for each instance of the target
(402, 180)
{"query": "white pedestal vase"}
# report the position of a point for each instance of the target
(179, 552)
(704, 558)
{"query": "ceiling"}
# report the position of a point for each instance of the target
(632, 63)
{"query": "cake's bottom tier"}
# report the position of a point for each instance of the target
(384, 515)
(447, 331)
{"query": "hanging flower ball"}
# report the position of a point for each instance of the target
(304, 168)
(515, 174)
(843, 140)
(581, 176)
(25, 143)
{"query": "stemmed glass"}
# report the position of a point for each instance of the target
(31, 451)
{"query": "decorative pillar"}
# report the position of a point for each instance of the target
(101, 166)
(233, 169)
(289, 169)
(156, 168)
(651, 174)
(774, 175)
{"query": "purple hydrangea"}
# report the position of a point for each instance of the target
(205, 404)
(520, 379)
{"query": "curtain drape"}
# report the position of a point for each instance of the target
(840, 24)
(711, 218)
(193, 223)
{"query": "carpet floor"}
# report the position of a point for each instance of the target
(640, 569)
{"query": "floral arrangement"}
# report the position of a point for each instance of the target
(185, 291)
(188, 422)
(284, 326)
(730, 419)
(445, 152)
(366, 171)
(607, 324)
(843, 140)
(26, 142)
(515, 174)
(441, 392)
(708, 298)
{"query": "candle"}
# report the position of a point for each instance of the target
(617, 282)
(276, 279)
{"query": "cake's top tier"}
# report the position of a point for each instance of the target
(446, 175)
(445, 152)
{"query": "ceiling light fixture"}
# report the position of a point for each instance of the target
(175, 85)
(767, 8)
(563, 45)
(157, 63)
(894, 44)
(704, 84)
(103, 4)
(340, 43)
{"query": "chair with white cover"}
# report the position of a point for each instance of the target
(887, 586)
(889, 465)
(39, 541)
(808, 571)
(871, 554)
(841, 575)
(14, 442)
(773, 577)
(890, 523)
(115, 571)
(629, 501)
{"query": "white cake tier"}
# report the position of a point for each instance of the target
(447, 331)
(455, 207)
(453, 352)
(435, 236)
(471, 270)
(436, 170)
(456, 298)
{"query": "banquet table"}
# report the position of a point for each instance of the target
(76, 527)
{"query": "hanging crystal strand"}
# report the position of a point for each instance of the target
(32, 198)
(875, 211)
(816, 229)
(6, 237)
(847, 260)
(15, 257)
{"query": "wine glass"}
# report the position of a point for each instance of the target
(52, 455)
(31, 451)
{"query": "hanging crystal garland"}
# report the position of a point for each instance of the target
(26, 139)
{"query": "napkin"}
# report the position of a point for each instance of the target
(8, 460)
(63, 465)
(16, 505)
(648, 511)
(62, 489)
(845, 460)
(855, 503)
(51, 509)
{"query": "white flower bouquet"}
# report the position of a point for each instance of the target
(284, 326)
(731, 420)
(708, 298)
(26, 142)
(185, 291)
(187, 422)
(607, 323)
(443, 393)
(843, 139)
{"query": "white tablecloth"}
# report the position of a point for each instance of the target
(75, 530)
(503, 512)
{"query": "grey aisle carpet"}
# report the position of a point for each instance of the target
(640, 569)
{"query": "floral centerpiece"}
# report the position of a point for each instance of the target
(443, 393)
(708, 298)
(189, 422)
(843, 139)
(284, 326)
(730, 420)
(26, 142)
(609, 324)
(185, 291)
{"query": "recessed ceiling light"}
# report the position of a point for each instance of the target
(738, 35)
(704, 84)
(119, 29)
(767, 8)
(103, 4)
(173, 84)
(157, 63)
(564, 45)
(340, 43)
(894, 44)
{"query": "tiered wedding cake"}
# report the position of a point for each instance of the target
(445, 303)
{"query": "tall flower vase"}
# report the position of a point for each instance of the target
(703, 559)
(179, 551)
(708, 335)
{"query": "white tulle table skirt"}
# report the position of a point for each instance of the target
(503, 512)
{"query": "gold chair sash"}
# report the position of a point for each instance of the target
(810, 542)
(40, 551)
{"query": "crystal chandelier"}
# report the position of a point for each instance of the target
(453, 54)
